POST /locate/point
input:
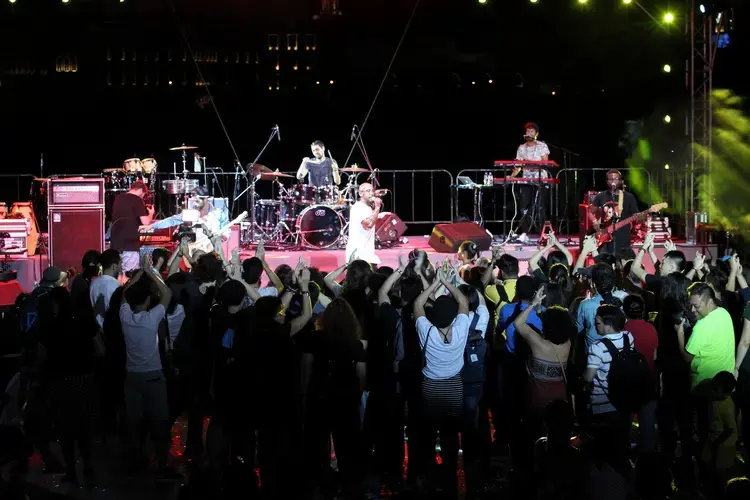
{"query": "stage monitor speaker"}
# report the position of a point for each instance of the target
(446, 238)
(389, 227)
(73, 232)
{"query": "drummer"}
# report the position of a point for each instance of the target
(320, 170)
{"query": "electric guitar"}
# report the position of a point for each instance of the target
(204, 243)
(606, 228)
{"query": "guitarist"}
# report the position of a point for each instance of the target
(610, 206)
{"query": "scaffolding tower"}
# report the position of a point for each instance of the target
(703, 29)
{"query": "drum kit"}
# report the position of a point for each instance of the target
(303, 215)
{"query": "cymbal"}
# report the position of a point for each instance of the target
(269, 176)
(183, 148)
(257, 168)
(354, 170)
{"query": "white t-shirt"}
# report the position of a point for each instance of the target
(141, 332)
(174, 322)
(100, 293)
(443, 360)
(211, 221)
(533, 153)
(599, 358)
(361, 239)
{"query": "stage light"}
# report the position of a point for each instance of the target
(170, 82)
(667, 68)
(473, 83)
(317, 83)
(666, 167)
(627, 2)
(667, 119)
(12, 1)
(668, 17)
(489, 81)
(554, 92)
(482, 2)
(65, 1)
(582, 1)
(702, 8)
(533, 1)
(331, 82)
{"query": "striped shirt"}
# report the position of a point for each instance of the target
(600, 359)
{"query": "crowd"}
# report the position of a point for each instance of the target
(593, 378)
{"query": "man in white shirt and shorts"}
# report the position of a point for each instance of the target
(362, 218)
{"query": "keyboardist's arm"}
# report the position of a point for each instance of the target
(545, 157)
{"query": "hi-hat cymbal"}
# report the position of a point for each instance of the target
(355, 170)
(183, 148)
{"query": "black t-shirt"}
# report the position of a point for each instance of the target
(126, 218)
(629, 208)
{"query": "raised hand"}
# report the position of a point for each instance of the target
(352, 257)
(260, 251)
(403, 261)
(698, 261)
(669, 246)
(589, 244)
(304, 278)
(648, 241)
(551, 240)
(539, 297)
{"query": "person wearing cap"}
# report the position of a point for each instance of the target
(443, 331)
(128, 214)
(79, 285)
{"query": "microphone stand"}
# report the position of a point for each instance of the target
(251, 187)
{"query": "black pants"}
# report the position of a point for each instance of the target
(531, 207)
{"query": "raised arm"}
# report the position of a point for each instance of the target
(391, 280)
(742, 347)
(422, 299)
(302, 170)
(637, 268)
(458, 296)
(534, 260)
(562, 248)
(369, 222)
(260, 252)
(589, 245)
(528, 333)
(336, 173)
(299, 322)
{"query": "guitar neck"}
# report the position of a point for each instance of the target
(627, 221)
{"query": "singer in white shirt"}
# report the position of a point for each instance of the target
(532, 150)
(362, 218)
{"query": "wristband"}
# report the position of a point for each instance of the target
(306, 292)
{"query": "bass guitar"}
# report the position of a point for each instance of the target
(607, 228)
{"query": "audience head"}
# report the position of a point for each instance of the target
(554, 295)
(606, 258)
(404, 291)
(357, 274)
(554, 257)
(111, 262)
(634, 306)
(252, 271)
(268, 311)
(467, 252)
(160, 254)
(53, 277)
(285, 274)
(508, 266)
(722, 385)
(609, 317)
(90, 264)
(557, 325)
(702, 299)
(138, 295)
(603, 277)
(471, 294)
(525, 288)
(673, 262)
(624, 256)
(443, 311)
(231, 295)
(209, 268)
(737, 488)
(559, 275)
(340, 322)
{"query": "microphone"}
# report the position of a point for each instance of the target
(278, 132)
(354, 133)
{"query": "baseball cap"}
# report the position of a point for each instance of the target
(51, 276)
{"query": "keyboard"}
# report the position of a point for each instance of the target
(526, 163)
(525, 180)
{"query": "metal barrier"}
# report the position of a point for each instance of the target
(417, 196)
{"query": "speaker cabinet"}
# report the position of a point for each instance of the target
(72, 232)
(389, 227)
(446, 238)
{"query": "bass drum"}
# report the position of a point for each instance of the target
(319, 226)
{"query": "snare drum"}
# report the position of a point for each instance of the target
(327, 195)
(132, 165)
(267, 213)
(173, 186)
(148, 164)
(304, 194)
(319, 226)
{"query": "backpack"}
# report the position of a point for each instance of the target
(475, 353)
(630, 384)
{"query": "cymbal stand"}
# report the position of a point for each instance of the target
(251, 187)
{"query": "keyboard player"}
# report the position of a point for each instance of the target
(529, 195)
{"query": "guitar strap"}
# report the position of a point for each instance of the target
(619, 203)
